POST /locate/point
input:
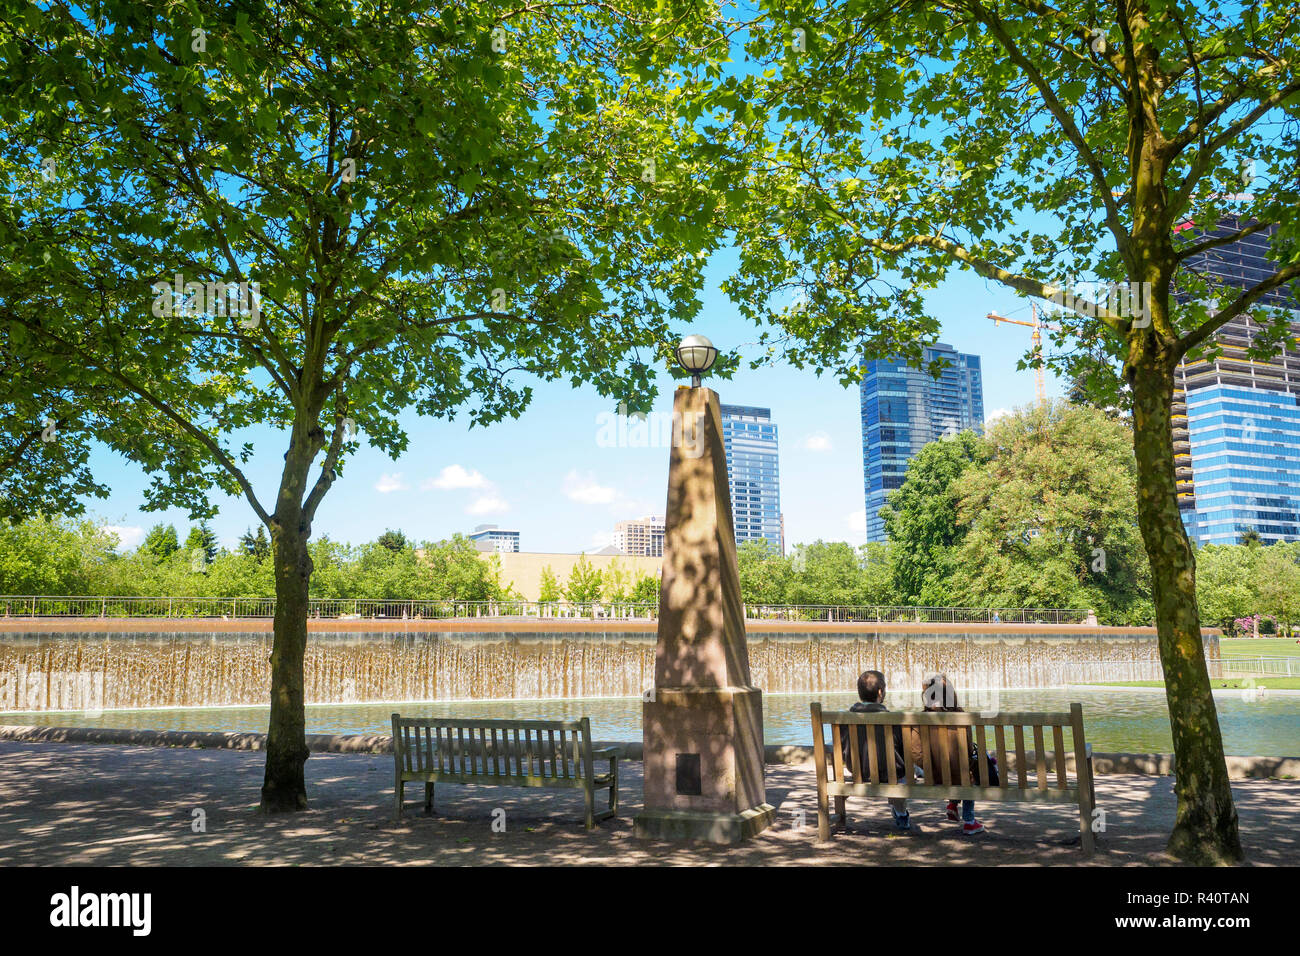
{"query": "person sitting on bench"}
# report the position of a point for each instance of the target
(871, 699)
(938, 694)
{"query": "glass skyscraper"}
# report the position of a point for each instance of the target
(1236, 420)
(905, 408)
(753, 476)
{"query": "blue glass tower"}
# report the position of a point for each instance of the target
(905, 408)
(750, 440)
(1236, 420)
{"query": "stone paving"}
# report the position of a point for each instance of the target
(120, 806)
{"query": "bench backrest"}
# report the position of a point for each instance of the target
(935, 730)
(533, 750)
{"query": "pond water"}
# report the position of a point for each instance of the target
(1115, 720)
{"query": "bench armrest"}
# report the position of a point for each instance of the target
(607, 753)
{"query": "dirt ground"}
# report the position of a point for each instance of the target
(130, 806)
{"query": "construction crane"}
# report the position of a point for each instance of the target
(1037, 338)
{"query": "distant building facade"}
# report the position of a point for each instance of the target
(749, 437)
(904, 409)
(489, 537)
(641, 536)
(1236, 420)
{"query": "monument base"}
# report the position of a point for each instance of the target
(703, 827)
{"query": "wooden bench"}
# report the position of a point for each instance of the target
(504, 753)
(1050, 786)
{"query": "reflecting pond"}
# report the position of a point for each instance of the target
(1116, 720)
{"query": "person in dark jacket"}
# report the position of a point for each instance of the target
(871, 699)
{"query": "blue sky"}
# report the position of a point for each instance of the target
(547, 474)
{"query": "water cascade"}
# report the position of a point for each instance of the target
(104, 665)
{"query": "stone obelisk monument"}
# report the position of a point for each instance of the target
(702, 724)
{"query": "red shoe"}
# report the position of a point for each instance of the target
(973, 827)
(952, 811)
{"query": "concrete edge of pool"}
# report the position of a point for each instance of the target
(1150, 764)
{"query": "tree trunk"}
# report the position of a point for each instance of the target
(1205, 829)
(284, 787)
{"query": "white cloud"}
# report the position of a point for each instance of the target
(857, 521)
(996, 414)
(487, 504)
(818, 441)
(601, 539)
(586, 491)
(453, 477)
(393, 482)
(128, 536)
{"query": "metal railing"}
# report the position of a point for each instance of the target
(36, 606)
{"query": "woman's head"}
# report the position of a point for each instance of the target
(938, 693)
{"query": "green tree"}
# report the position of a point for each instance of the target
(825, 572)
(393, 540)
(257, 545)
(1038, 145)
(1278, 583)
(1051, 517)
(616, 584)
(878, 575)
(921, 519)
(201, 545)
(765, 575)
(1225, 583)
(427, 198)
(51, 556)
(646, 590)
(459, 571)
(161, 541)
(549, 587)
(584, 582)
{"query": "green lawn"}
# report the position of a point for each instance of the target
(1231, 683)
(1258, 647)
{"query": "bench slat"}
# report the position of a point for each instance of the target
(844, 790)
(923, 732)
(1058, 737)
(837, 753)
(963, 755)
(477, 723)
(945, 757)
(981, 756)
(855, 752)
(944, 718)
(1040, 757)
(1021, 769)
(1000, 738)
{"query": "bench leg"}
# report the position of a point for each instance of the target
(398, 793)
(613, 786)
(589, 795)
(841, 808)
(428, 798)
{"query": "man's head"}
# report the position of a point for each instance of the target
(871, 687)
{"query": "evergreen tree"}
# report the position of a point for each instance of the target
(255, 546)
(201, 545)
(161, 541)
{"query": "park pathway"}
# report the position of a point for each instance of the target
(118, 806)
